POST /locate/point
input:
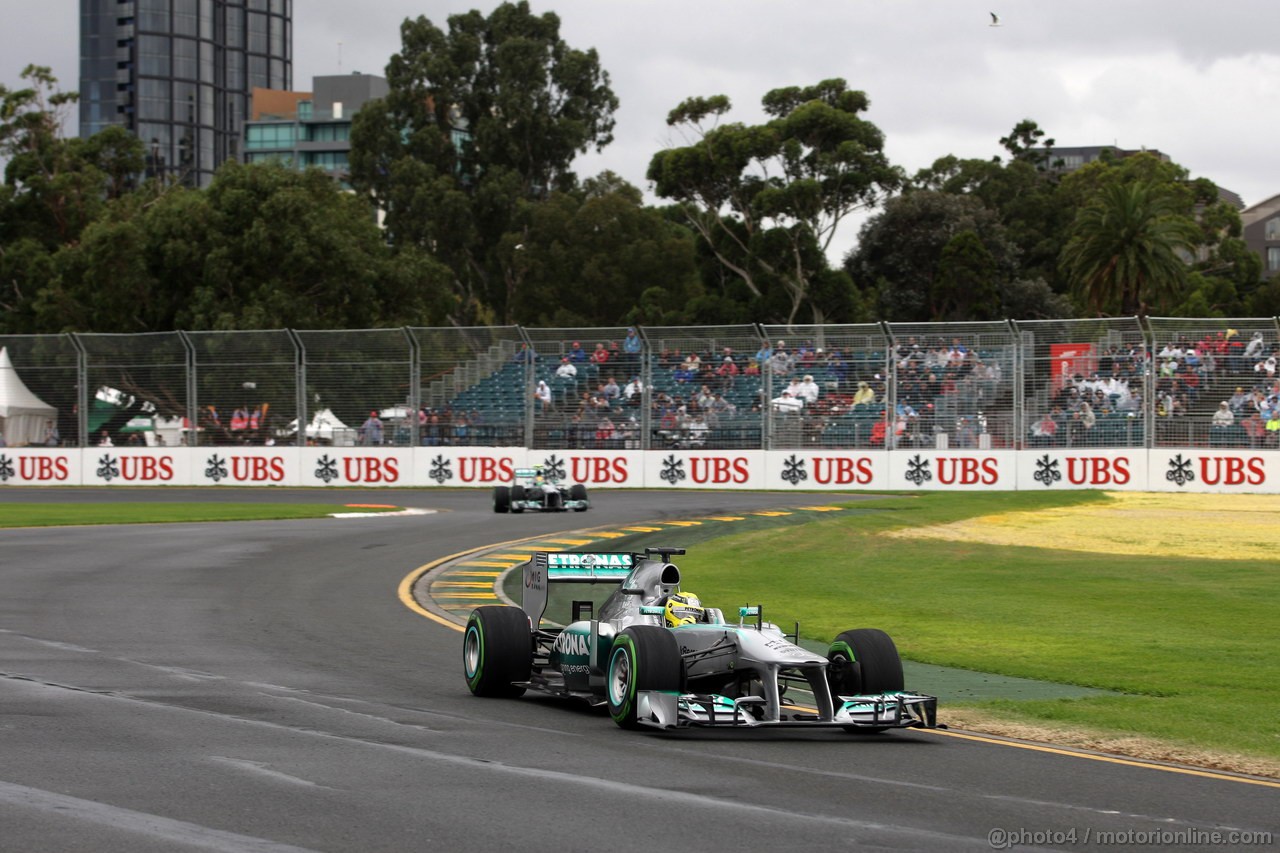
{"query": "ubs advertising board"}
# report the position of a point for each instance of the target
(1164, 469)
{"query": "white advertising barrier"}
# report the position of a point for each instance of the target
(1165, 469)
(365, 467)
(705, 469)
(827, 469)
(135, 466)
(246, 466)
(953, 470)
(1080, 468)
(32, 466)
(493, 466)
(1209, 470)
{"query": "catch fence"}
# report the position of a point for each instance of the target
(1104, 383)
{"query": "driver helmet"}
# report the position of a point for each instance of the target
(683, 608)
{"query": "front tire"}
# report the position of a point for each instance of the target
(864, 661)
(501, 498)
(497, 649)
(578, 492)
(644, 657)
(517, 498)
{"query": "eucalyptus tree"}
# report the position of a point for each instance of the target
(53, 187)
(767, 199)
(479, 119)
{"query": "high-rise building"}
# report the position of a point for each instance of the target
(309, 129)
(178, 74)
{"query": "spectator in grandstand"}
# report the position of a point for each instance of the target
(525, 355)
(705, 397)
(576, 353)
(696, 431)
(787, 402)
(604, 432)
(864, 395)
(1256, 347)
(1266, 366)
(723, 407)
(1238, 400)
(1082, 422)
(1224, 417)
(611, 391)
(1273, 428)
(684, 372)
(599, 402)
(600, 355)
(726, 372)
(1255, 428)
(1044, 431)
(51, 436)
(763, 355)
(631, 346)
(543, 395)
(808, 390)
(633, 390)
(371, 430)
(781, 362)
(566, 370)
(461, 429)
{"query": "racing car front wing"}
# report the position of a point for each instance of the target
(669, 710)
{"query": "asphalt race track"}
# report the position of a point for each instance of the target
(261, 687)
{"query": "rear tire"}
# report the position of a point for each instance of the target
(497, 649)
(578, 492)
(501, 498)
(644, 657)
(517, 498)
(864, 661)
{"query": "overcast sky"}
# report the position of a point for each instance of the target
(1199, 81)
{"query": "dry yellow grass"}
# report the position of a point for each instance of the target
(1213, 526)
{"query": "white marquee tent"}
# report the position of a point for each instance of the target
(23, 415)
(326, 427)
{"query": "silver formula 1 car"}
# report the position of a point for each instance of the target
(656, 665)
(535, 491)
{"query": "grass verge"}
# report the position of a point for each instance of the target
(1186, 644)
(59, 514)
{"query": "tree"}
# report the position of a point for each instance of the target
(599, 257)
(898, 264)
(478, 120)
(263, 247)
(768, 199)
(53, 188)
(965, 287)
(1123, 253)
(1022, 192)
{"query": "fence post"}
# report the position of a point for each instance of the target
(529, 368)
(415, 385)
(82, 390)
(300, 378)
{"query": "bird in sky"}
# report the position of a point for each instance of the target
(995, 20)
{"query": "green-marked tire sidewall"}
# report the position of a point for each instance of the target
(623, 712)
(474, 631)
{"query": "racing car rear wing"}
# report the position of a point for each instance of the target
(547, 567)
(613, 567)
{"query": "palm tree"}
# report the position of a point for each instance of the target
(1124, 249)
